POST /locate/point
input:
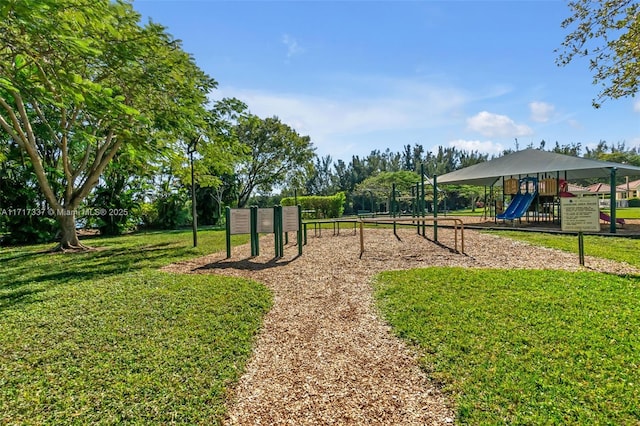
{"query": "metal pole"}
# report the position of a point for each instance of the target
(277, 226)
(392, 213)
(193, 201)
(228, 226)
(423, 206)
(253, 218)
(191, 149)
(299, 230)
(612, 197)
(581, 248)
(435, 207)
(361, 238)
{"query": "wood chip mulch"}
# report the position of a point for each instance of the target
(324, 355)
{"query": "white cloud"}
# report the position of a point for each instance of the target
(293, 48)
(541, 111)
(636, 106)
(496, 125)
(380, 109)
(485, 147)
(575, 124)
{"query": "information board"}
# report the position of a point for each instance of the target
(580, 214)
(290, 219)
(265, 221)
(240, 221)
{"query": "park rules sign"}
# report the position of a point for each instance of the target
(580, 214)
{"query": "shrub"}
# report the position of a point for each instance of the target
(634, 202)
(325, 206)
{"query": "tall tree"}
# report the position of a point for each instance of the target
(79, 80)
(608, 34)
(275, 153)
(320, 179)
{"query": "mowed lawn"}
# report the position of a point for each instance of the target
(105, 338)
(525, 346)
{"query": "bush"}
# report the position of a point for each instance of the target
(28, 229)
(170, 211)
(325, 206)
(634, 202)
(116, 212)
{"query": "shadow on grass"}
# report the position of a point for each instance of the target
(18, 297)
(25, 274)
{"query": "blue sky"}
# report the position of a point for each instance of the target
(358, 75)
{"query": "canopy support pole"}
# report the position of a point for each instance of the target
(435, 208)
(612, 198)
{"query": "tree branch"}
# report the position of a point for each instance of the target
(27, 142)
(16, 129)
(36, 107)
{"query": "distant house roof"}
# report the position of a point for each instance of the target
(633, 185)
(532, 163)
(599, 188)
(572, 187)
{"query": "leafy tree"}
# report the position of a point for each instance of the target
(573, 149)
(78, 81)
(22, 208)
(320, 178)
(114, 205)
(380, 185)
(275, 154)
(216, 152)
(608, 34)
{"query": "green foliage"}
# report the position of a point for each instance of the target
(104, 338)
(522, 346)
(23, 217)
(608, 34)
(275, 154)
(381, 183)
(115, 203)
(325, 206)
(85, 79)
(634, 202)
(171, 211)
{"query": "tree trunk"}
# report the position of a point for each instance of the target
(68, 235)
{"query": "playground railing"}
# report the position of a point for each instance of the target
(458, 224)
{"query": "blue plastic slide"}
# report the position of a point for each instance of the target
(518, 207)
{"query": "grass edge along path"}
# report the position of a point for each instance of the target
(523, 346)
(104, 338)
(619, 249)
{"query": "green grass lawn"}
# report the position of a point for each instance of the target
(523, 347)
(615, 248)
(626, 213)
(466, 212)
(104, 338)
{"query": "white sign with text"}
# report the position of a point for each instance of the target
(580, 214)
(290, 220)
(265, 221)
(240, 222)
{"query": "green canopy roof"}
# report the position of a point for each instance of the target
(535, 163)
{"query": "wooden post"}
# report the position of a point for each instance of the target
(361, 239)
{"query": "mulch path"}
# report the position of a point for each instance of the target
(324, 355)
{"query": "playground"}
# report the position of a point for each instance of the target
(324, 355)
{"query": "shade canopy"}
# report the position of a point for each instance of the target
(533, 163)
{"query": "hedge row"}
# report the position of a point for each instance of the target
(324, 207)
